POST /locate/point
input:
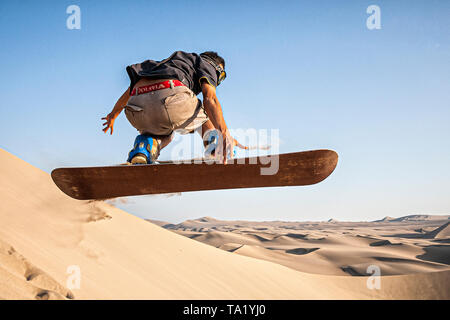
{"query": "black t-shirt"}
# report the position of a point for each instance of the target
(188, 68)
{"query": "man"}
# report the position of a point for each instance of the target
(162, 98)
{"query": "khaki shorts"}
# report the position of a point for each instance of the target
(163, 111)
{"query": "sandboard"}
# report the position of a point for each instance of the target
(294, 169)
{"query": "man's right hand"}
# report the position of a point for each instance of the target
(118, 107)
(109, 124)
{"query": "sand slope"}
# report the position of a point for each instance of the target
(43, 233)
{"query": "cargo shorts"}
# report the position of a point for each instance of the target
(161, 112)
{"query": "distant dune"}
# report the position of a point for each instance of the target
(386, 219)
(442, 232)
(47, 240)
(421, 217)
(396, 245)
(161, 223)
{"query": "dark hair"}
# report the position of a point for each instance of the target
(215, 57)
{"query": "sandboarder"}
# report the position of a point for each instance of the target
(162, 99)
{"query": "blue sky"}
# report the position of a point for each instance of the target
(312, 69)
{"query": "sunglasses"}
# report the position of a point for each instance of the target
(221, 75)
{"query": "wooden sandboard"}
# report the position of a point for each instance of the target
(294, 169)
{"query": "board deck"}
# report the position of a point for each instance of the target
(294, 169)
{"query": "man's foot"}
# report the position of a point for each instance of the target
(210, 142)
(145, 151)
(139, 159)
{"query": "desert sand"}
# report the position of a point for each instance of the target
(398, 246)
(45, 235)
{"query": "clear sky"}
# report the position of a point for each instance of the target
(312, 69)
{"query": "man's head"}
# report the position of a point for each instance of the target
(215, 57)
(218, 62)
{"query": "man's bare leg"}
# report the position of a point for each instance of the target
(164, 141)
(207, 126)
(208, 133)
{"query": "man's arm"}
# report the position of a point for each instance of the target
(118, 107)
(213, 108)
(215, 114)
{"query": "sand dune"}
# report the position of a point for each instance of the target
(396, 245)
(45, 236)
(21, 279)
(386, 219)
(421, 217)
(442, 232)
